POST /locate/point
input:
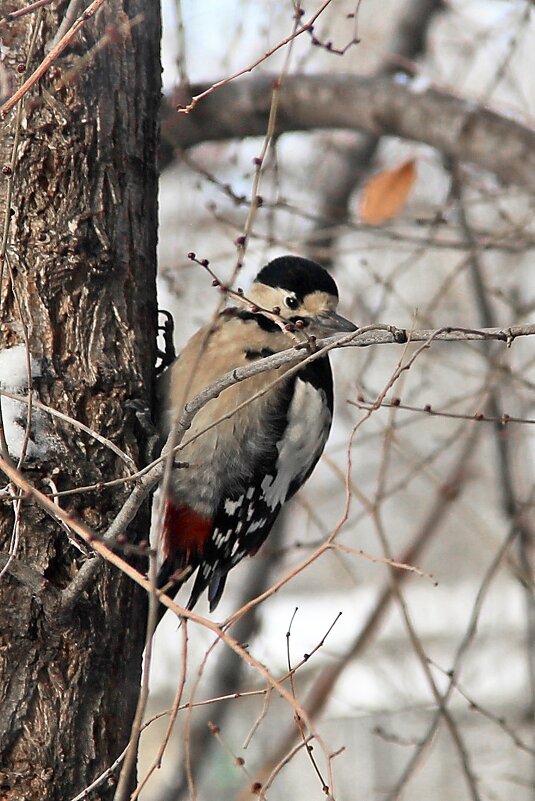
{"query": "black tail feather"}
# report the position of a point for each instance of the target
(172, 579)
(215, 589)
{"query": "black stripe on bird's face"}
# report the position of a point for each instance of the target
(261, 320)
(252, 354)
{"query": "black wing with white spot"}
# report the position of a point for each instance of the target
(241, 526)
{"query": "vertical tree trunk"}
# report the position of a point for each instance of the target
(82, 258)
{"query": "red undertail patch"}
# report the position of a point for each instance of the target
(184, 532)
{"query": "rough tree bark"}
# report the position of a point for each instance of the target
(82, 255)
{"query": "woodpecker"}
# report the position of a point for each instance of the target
(239, 472)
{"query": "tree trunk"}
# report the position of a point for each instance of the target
(81, 262)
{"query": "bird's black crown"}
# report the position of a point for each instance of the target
(298, 275)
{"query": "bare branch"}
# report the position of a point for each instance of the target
(299, 28)
(379, 106)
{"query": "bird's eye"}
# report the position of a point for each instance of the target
(291, 302)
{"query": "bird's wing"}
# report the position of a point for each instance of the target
(244, 518)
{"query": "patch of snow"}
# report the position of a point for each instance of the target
(13, 369)
(420, 84)
(14, 379)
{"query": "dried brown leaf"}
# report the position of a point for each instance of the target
(386, 193)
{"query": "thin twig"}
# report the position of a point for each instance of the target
(172, 715)
(11, 15)
(125, 778)
(49, 59)
(306, 26)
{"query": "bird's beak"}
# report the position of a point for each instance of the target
(332, 323)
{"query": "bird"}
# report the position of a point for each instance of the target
(235, 475)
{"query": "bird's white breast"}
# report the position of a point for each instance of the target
(309, 421)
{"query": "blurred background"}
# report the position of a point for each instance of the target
(424, 687)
